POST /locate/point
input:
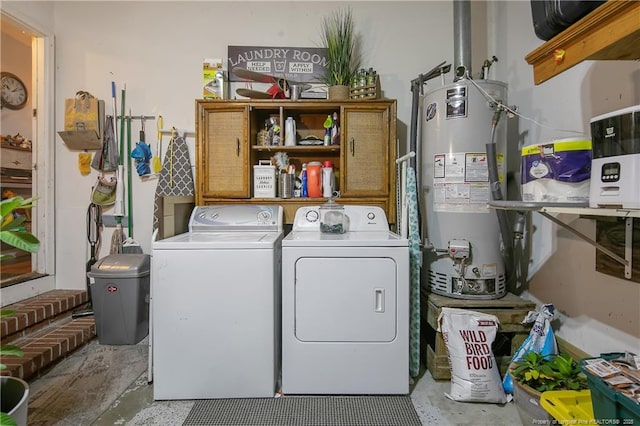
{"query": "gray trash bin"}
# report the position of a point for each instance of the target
(120, 296)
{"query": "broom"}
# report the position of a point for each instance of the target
(130, 245)
(117, 238)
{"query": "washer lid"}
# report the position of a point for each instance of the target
(219, 240)
(348, 239)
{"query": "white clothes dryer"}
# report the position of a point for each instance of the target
(345, 306)
(215, 305)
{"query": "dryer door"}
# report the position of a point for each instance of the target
(345, 299)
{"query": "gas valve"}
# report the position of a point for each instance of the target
(459, 249)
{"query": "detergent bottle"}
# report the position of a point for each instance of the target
(314, 179)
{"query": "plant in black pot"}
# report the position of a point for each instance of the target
(14, 391)
(536, 373)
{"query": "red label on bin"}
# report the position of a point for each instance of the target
(112, 288)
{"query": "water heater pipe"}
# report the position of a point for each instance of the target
(496, 194)
(461, 38)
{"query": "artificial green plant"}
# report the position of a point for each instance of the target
(339, 38)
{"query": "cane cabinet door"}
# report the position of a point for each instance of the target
(222, 150)
(366, 156)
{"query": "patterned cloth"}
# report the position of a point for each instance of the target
(176, 177)
(415, 263)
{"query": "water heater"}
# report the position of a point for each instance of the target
(462, 256)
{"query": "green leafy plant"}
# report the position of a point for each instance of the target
(339, 38)
(12, 232)
(551, 372)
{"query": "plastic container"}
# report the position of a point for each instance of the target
(333, 219)
(120, 297)
(314, 179)
(569, 406)
(608, 404)
(528, 405)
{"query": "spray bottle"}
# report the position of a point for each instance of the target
(303, 178)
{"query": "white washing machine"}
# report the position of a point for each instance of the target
(345, 306)
(215, 305)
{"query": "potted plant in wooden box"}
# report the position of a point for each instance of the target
(339, 38)
(14, 391)
(536, 373)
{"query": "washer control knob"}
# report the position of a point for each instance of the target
(264, 216)
(371, 215)
(312, 216)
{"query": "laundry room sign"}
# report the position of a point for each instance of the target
(303, 64)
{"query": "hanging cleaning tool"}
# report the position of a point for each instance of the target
(94, 223)
(142, 153)
(118, 235)
(156, 164)
(130, 245)
(129, 195)
(174, 135)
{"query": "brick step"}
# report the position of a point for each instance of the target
(45, 347)
(40, 311)
(43, 328)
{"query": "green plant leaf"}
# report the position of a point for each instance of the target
(13, 224)
(7, 420)
(21, 239)
(339, 39)
(10, 350)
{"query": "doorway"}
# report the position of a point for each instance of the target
(27, 161)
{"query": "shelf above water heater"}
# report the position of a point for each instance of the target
(582, 209)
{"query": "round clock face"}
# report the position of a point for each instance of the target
(14, 92)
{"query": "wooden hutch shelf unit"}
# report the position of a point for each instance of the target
(610, 32)
(227, 148)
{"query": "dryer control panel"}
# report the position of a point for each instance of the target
(248, 217)
(361, 218)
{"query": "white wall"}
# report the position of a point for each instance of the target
(157, 49)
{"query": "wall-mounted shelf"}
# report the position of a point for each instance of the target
(610, 32)
(548, 211)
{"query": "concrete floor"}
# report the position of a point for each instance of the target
(107, 385)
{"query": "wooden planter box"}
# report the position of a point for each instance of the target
(510, 310)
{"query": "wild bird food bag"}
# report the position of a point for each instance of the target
(468, 336)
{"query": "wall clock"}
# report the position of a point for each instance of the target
(14, 93)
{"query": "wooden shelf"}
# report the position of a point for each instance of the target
(610, 32)
(297, 148)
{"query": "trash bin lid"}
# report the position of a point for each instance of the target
(128, 265)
